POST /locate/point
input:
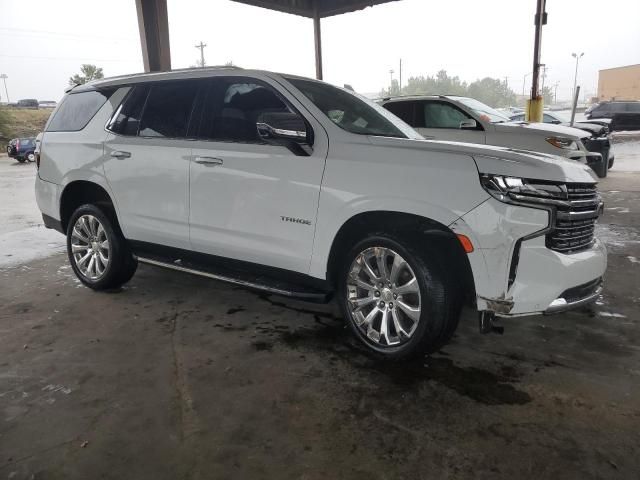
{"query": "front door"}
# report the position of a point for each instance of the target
(253, 201)
(441, 120)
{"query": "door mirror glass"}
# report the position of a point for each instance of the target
(467, 124)
(281, 128)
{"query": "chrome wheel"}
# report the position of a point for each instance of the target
(384, 296)
(90, 247)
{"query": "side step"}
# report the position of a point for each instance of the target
(245, 279)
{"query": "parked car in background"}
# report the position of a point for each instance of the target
(298, 188)
(609, 109)
(47, 104)
(463, 119)
(599, 140)
(27, 103)
(22, 149)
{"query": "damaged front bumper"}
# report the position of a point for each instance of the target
(515, 273)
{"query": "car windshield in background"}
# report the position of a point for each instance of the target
(490, 114)
(352, 112)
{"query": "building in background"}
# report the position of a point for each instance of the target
(620, 83)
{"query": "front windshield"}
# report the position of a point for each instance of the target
(489, 114)
(352, 112)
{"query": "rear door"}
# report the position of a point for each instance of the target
(148, 161)
(250, 200)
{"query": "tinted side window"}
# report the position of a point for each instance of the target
(168, 109)
(77, 109)
(442, 115)
(126, 120)
(633, 107)
(232, 108)
(403, 110)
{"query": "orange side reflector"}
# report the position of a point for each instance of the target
(466, 243)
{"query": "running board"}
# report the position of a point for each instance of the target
(243, 279)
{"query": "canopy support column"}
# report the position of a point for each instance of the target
(153, 24)
(318, 40)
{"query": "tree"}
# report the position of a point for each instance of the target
(87, 73)
(493, 92)
(547, 94)
(441, 84)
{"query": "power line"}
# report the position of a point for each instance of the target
(26, 31)
(91, 59)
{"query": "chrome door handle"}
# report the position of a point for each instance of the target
(209, 161)
(120, 154)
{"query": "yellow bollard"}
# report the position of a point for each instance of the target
(533, 112)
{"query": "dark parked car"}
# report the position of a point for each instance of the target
(22, 149)
(609, 109)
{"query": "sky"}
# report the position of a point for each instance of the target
(468, 38)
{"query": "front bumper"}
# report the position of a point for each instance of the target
(514, 271)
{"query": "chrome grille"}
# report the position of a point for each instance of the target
(575, 221)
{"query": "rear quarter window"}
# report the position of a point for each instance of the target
(77, 109)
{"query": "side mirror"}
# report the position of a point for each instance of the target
(468, 124)
(281, 128)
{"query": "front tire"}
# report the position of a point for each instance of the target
(97, 250)
(31, 157)
(602, 169)
(397, 301)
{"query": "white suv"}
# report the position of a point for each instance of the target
(463, 119)
(299, 188)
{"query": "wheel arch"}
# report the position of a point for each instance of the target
(80, 192)
(404, 226)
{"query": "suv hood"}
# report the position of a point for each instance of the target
(500, 160)
(547, 129)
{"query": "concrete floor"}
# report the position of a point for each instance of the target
(178, 377)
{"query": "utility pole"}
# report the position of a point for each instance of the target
(524, 83)
(575, 77)
(201, 47)
(400, 82)
(390, 81)
(4, 79)
(544, 77)
(555, 92)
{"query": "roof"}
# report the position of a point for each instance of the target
(178, 74)
(401, 98)
(306, 8)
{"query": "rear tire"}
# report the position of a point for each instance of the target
(397, 300)
(98, 252)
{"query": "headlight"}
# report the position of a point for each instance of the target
(525, 191)
(563, 142)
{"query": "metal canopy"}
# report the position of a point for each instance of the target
(153, 23)
(315, 9)
(307, 8)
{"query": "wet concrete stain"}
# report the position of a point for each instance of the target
(233, 311)
(331, 336)
(262, 346)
